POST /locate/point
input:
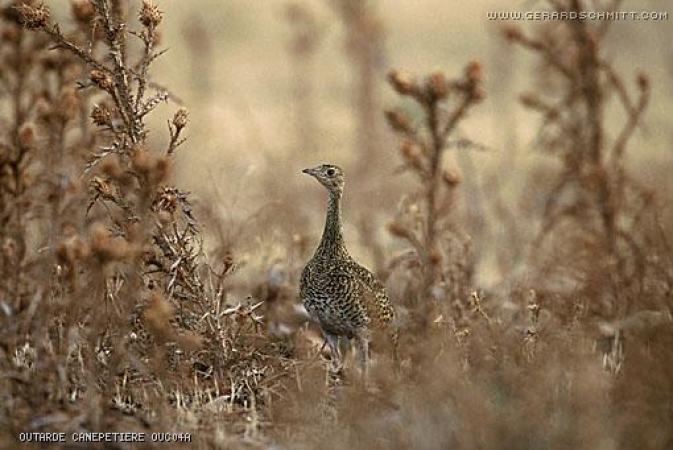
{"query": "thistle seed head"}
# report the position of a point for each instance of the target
(102, 80)
(403, 82)
(33, 17)
(150, 16)
(181, 118)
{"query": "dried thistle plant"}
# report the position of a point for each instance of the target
(127, 178)
(594, 188)
(425, 221)
(126, 290)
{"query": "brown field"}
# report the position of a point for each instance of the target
(509, 181)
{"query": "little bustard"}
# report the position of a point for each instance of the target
(341, 296)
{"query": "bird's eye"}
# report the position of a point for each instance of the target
(330, 172)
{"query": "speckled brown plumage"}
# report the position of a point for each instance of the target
(341, 296)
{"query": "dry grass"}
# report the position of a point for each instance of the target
(127, 305)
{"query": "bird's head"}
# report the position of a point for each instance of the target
(329, 175)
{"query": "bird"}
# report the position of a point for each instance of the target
(345, 299)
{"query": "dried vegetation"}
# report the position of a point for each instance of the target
(113, 317)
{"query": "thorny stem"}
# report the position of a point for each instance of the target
(116, 37)
(590, 163)
(423, 150)
(439, 135)
(20, 115)
(148, 41)
(54, 157)
(437, 142)
(55, 33)
(591, 90)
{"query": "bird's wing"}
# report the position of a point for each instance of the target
(367, 277)
(372, 292)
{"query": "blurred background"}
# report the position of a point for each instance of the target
(273, 87)
(236, 65)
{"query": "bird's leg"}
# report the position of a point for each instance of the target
(362, 341)
(332, 375)
(335, 360)
(322, 347)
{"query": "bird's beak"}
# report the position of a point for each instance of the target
(309, 172)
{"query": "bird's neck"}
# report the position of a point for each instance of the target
(332, 243)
